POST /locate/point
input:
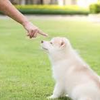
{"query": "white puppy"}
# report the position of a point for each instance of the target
(72, 75)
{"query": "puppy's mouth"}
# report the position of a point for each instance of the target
(44, 48)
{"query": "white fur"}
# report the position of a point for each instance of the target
(72, 75)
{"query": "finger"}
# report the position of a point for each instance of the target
(42, 33)
(29, 35)
(34, 33)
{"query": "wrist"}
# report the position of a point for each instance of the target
(24, 23)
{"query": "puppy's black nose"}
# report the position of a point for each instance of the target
(42, 41)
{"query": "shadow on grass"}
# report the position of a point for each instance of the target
(64, 98)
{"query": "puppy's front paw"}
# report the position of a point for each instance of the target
(52, 97)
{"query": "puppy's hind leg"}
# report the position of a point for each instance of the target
(58, 91)
(85, 98)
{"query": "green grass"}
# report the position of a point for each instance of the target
(25, 72)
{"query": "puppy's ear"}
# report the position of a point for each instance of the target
(62, 44)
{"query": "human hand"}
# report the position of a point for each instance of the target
(32, 30)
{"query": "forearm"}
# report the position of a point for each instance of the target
(12, 12)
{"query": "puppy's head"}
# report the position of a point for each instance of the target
(56, 45)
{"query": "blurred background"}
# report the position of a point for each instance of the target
(55, 2)
(58, 7)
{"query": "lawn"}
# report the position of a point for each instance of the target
(25, 72)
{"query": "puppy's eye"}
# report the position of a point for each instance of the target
(51, 43)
